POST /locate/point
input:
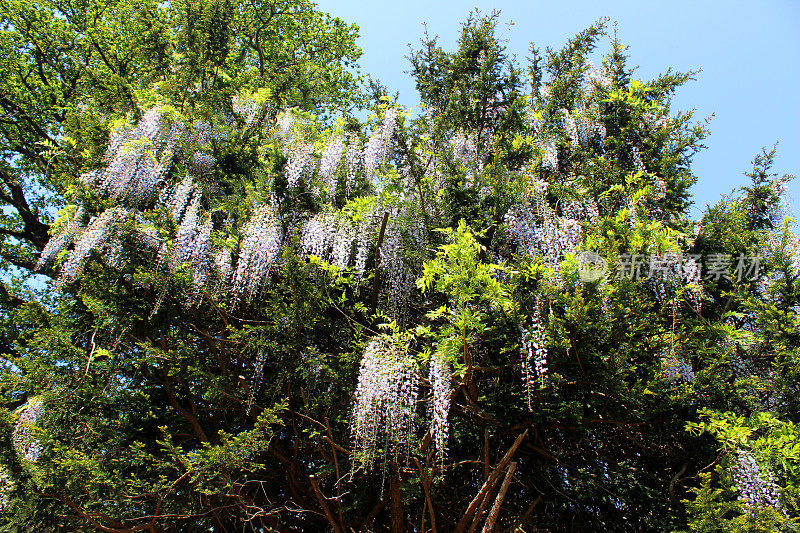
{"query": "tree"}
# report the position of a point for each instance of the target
(257, 315)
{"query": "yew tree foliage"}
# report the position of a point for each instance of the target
(230, 302)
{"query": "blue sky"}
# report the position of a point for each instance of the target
(749, 53)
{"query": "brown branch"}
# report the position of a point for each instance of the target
(324, 505)
(426, 488)
(189, 417)
(501, 494)
(376, 280)
(396, 501)
(489, 484)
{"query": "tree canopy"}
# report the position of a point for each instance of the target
(243, 291)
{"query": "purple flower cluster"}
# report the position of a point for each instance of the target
(6, 486)
(96, 235)
(757, 487)
(59, 241)
(440, 376)
(138, 159)
(300, 163)
(385, 401)
(23, 439)
(538, 232)
(259, 248)
(329, 163)
(534, 356)
(379, 143)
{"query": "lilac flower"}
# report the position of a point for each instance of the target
(23, 438)
(757, 487)
(139, 159)
(300, 163)
(534, 356)
(676, 369)
(385, 400)
(550, 158)
(181, 196)
(353, 161)
(6, 486)
(440, 377)
(94, 237)
(248, 108)
(201, 164)
(377, 149)
(331, 157)
(62, 239)
(259, 248)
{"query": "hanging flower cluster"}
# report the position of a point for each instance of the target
(329, 163)
(756, 487)
(385, 401)
(379, 143)
(23, 439)
(534, 356)
(338, 241)
(440, 376)
(61, 240)
(549, 237)
(6, 486)
(97, 235)
(139, 159)
(676, 368)
(260, 246)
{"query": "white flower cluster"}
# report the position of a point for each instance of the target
(597, 78)
(440, 376)
(331, 238)
(300, 163)
(397, 269)
(25, 443)
(550, 157)
(329, 163)
(379, 143)
(385, 401)
(534, 357)
(284, 126)
(757, 487)
(96, 236)
(248, 108)
(354, 160)
(138, 159)
(464, 148)
(548, 236)
(65, 237)
(260, 246)
(201, 164)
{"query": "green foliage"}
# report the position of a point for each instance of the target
(175, 401)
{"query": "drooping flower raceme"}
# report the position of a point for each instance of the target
(385, 400)
(62, 239)
(139, 159)
(756, 487)
(94, 237)
(440, 377)
(377, 148)
(331, 157)
(534, 357)
(23, 438)
(260, 246)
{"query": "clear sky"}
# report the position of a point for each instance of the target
(749, 53)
